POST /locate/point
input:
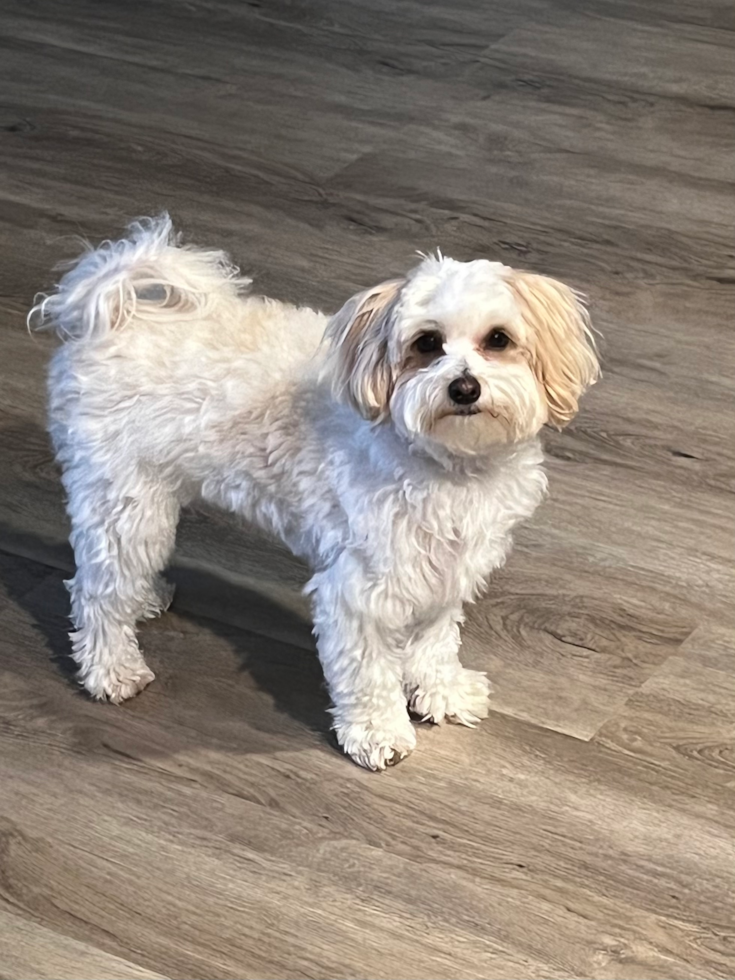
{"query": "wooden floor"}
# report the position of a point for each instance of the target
(210, 829)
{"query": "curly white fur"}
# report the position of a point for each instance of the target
(337, 436)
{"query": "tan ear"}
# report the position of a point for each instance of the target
(359, 333)
(563, 350)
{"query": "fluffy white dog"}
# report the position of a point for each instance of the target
(393, 446)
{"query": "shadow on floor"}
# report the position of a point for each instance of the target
(277, 651)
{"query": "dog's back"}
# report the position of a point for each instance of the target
(147, 319)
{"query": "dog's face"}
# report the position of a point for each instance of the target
(462, 356)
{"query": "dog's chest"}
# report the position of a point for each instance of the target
(438, 541)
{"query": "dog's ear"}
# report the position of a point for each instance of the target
(563, 350)
(359, 334)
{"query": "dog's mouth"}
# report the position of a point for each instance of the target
(472, 414)
(467, 411)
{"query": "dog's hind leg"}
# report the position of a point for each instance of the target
(123, 533)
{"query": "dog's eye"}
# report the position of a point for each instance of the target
(497, 340)
(427, 343)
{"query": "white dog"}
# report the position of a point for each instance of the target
(393, 446)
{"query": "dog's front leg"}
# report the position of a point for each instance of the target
(362, 662)
(437, 686)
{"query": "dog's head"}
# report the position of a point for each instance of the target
(461, 356)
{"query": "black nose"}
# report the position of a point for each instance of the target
(464, 390)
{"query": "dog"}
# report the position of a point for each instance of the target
(393, 446)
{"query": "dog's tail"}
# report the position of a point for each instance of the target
(147, 272)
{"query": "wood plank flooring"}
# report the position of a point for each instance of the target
(210, 828)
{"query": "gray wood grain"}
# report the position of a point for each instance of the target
(210, 829)
(28, 949)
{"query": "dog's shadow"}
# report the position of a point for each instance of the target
(272, 643)
(283, 665)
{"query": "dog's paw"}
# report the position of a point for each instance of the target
(119, 682)
(462, 698)
(377, 746)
